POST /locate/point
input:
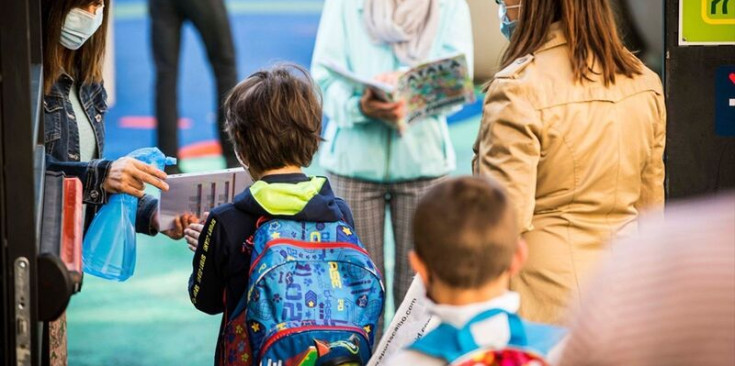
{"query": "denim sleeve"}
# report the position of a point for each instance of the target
(145, 215)
(92, 174)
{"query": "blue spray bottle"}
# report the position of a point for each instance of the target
(109, 250)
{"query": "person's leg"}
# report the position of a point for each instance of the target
(367, 202)
(404, 197)
(165, 41)
(211, 20)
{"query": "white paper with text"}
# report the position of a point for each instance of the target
(411, 322)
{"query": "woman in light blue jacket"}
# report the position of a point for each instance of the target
(370, 163)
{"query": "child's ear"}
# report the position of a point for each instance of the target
(519, 257)
(419, 267)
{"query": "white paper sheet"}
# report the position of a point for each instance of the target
(411, 322)
(198, 193)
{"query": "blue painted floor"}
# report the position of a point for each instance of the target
(264, 33)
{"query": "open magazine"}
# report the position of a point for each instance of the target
(197, 193)
(428, 89)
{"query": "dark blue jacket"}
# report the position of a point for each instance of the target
(222, 259)
(61, 139)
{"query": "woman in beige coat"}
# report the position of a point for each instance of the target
(574, 128)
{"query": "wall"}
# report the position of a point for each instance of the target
(489, 42)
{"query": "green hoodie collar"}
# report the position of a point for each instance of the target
(286, 199)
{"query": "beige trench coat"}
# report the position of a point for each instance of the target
(580, 161)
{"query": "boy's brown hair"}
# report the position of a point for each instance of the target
(274, 118)
(465, 232)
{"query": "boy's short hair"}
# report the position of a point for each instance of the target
(274, 118)
(465, 232)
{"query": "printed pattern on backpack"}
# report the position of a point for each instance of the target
(308, 282)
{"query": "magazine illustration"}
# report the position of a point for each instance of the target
(436, 87)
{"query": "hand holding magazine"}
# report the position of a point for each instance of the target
(428, 89)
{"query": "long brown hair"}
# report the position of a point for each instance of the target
(591, 33)
(84, 64)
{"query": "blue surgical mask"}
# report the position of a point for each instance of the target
(507, 27)
(79, 26)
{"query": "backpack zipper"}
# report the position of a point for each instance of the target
(287, 332)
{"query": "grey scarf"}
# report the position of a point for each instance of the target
(409, 26)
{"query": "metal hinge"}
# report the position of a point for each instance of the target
(22, 279)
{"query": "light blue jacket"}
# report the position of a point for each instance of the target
(362, 148)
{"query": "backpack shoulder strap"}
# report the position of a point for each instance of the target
(449, 343)
(441, 343)
(542, 338)
(250, 241)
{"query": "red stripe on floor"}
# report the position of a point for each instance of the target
(199, 149)
(149, 123)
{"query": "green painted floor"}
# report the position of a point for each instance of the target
(148, 320)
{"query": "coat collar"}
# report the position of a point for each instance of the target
(555, 38)
(458, 316)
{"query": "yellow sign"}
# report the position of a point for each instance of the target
(706, 22)
(712, 8)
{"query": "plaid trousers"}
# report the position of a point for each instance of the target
(367, 201)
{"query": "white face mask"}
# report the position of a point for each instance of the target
(79, 26)
(245, 166)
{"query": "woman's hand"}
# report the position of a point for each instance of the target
(390, 113)
(128, 175)
(180, 223)
(193, 231)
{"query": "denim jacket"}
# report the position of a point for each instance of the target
(61, 139)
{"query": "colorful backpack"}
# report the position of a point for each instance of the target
(528, 342)
(310, 283)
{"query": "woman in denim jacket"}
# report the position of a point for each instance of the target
(75, 102)
(371, 163)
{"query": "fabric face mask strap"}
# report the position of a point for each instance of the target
(503, 10)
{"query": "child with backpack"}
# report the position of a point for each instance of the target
(466, 250)
(282, 262)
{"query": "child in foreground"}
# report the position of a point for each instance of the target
(274, 121)
(466, 251)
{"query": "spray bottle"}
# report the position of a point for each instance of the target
(109, 244)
